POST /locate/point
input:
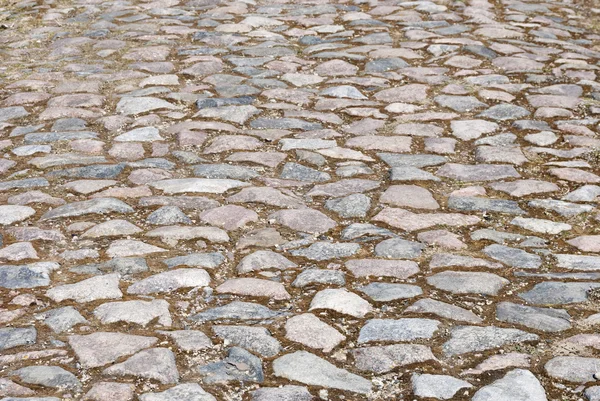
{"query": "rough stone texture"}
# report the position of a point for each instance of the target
(234, 181)
(309, 369)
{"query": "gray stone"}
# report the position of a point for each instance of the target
(558, 293)
(458, 282)
(10, 214)
(295, 171)
(441, 387)
(91, 289)
(543, 319)
(465, 339)
(355, 205)
(573, 368)
(168, 215)
(284, 393)
(181, 392)
(124, 266)
(475, 204)
(304, 367)
(169, 281)
(154, 363)
(578, 262)
(239, 365)
(479, 172)
(27, 276)
(264, 260)
(407, 329)
(397, 248)
(206, 260)
(503, 112)
(93, 206)
(326, 250)
(236, 310)
(48, 376)
(255, 339)
(382, 359)
(444, 310)
(101, 348)
(309, 330)
(341, 301)
(513, 257)
(385, 292)
(62, 319)
(139, 312)
(516, 385)
(189, 340)
(15, 337)
(319, 276)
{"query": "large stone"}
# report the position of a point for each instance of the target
(93, 206)
(309, 330)
(11, 337)
(181, 392)
(465, 339)
(543, 319)
(239, 365)
(101, 348)
(441, 387)
(406, 329)
(169, 281)
(382, 359)
(304, 367)
(255, 339)
(573, 368)
(49, 376)
(154, 363)
(516, 385)
(91, 289)
(10, 214)
(468, 282)
(341, 301)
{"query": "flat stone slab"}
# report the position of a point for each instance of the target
(341, 301)
(307, 368)
(382, 359)
(518, 384)
(465, 339)
(573, 368)
(407, 329)
(101, 348)
(543, 319)
(441, 387)
(458, 282)
(91, 289)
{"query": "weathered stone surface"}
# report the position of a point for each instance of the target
(91, 289)
(341, 301)
(170, 281)
(382, 359)
(437, 386)
(255, 339)
(185, 391)
(518, 384)
(397, 330)
(101, 348)
(307, 368)
(154, 363)
(239, 365)
(468, 282)
(466, 339)
(309, 330)
(15, 337)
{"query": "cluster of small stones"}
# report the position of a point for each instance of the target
(286, 200)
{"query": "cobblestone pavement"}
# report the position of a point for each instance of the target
(276, 200)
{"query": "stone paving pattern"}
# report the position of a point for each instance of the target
(276, 200)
